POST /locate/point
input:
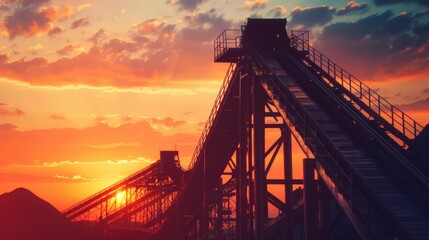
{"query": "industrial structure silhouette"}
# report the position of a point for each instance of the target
(364, 173)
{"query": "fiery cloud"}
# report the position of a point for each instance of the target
(155, 51)
(254, 4)
(353, 8)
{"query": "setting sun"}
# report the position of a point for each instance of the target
(120, 197)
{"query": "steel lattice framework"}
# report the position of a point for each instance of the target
(362, 177)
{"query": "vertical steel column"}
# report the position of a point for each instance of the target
(287, 155)
(261, 208)
(309, 199)
(241, 155)
(250, 158)
(205, 206)
(219, 212)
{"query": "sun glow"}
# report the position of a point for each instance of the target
(120, 196)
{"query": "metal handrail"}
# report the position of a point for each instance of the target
(407, 128)
(215, 109)
(229, 38)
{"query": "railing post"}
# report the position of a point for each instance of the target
(415, 129)
(369, 98)
(379, 105)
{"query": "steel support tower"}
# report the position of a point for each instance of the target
(363, 173)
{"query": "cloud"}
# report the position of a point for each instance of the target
(381, 45)
(75, 178)
(3, 8)
(81, 22)
(98, 36)
(36, 47)
(254, 4)
(391, 2)
(69, 49)
(155, 52)
(312, 16)
(27, 3)
(29, 178)
(187, 4)
(98, 143)
(126, 119)
(8, 127)
(278, 11)
(168, 122)
(353, 8)
(57, 117)
(33, 18)
(9, 110)
(55, 31)
(80, 7)
(420, 105)
(188, 112)
(8, 177)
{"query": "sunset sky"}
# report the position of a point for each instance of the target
(90, 91)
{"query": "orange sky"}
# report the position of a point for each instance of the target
(90, 91)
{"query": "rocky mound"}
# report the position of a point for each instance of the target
(25, 216)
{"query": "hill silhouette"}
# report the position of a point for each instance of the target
(25, 216)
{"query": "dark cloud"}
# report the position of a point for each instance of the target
(191, 112)
(187, 4)
(421, 105)
(26, 22)
(3, 8)
(98, 36)
(255, 15)
(57, 117)
(9, 110)
(380, 44)
(55, 31)
(425, 91)
(67, 50)
(117, 47)
(3, 59)
(32, 17)
(353, 8)
(26, 3)
(312, 16)
(422, 13)
(391, 2)
(82, 22)
(8, 127)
